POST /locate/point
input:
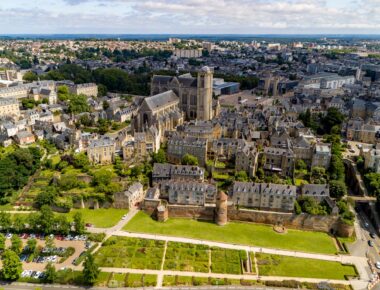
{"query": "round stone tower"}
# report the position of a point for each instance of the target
(221, 209)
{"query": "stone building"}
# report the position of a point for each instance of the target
(180, 146)
(317, 191)
(280, 161)
(161, 110)
(129, 198)
(163, 172)
(24, 138)
(200, 129)
(88, 89)
(264, 196)
(195, 94)
(101, 151)
(190, 192)
(142, 144)
(321, 155)
(247, 159)
(9, 107)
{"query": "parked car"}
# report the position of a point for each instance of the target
(377, 265)
(370, 243)
(89, 225)
(9, 236)
(373, 235)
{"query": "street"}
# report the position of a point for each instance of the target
(24, 286)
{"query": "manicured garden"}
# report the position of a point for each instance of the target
(123, 252)
(235, 233)
(227, 261)
(275, 265)
(187, 257)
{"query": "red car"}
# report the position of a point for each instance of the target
(88, 225)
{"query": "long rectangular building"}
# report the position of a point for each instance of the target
(264, 196)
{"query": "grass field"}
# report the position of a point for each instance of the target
(122, 252)
(100, 218)
(235, 233)
(274, 265)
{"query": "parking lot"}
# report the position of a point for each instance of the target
(61, 243)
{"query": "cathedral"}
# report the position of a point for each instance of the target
(195, 93)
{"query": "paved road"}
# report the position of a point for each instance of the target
(24, 286)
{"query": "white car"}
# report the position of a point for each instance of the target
(9, 236)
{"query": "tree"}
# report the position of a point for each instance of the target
(102, 90)
(260, 173)
(12, 266)
(189, 159)
(102, 177)
(16, 244)
(338, 188)
(46, 197)
(301, 165)
(18, 224)
(78, 223)
(333, 118)
(63, 93)
(336, 168)
(159, 157)
(2, 242)
(49, 243)
(106, 105)
(33, 220)
(241, 176)
(62, 224)
(46, 219)
(81, 161)
(297, 208)
(78, 104)
(50, 273)
(5, 220)
(32, 245)
(90, 270)
(30, 77)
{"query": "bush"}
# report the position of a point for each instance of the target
(96, 237)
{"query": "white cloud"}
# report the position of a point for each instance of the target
(193, 16)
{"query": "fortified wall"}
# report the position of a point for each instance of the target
(327, 224)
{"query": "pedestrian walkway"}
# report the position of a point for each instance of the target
(161, 273)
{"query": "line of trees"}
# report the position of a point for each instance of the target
(15, 170)
(43, 221)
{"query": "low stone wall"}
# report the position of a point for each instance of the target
(194, 212)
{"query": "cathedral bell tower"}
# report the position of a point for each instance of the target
(204, 94)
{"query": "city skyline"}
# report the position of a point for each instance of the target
(190, 17)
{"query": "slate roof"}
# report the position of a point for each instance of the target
(161, 100)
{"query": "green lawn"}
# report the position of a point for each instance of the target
(123, 252)
(236, 233)
(274, 265)
(100, 218)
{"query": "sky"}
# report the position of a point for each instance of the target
(190, 16)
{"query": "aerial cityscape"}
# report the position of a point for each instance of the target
(189, 144)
